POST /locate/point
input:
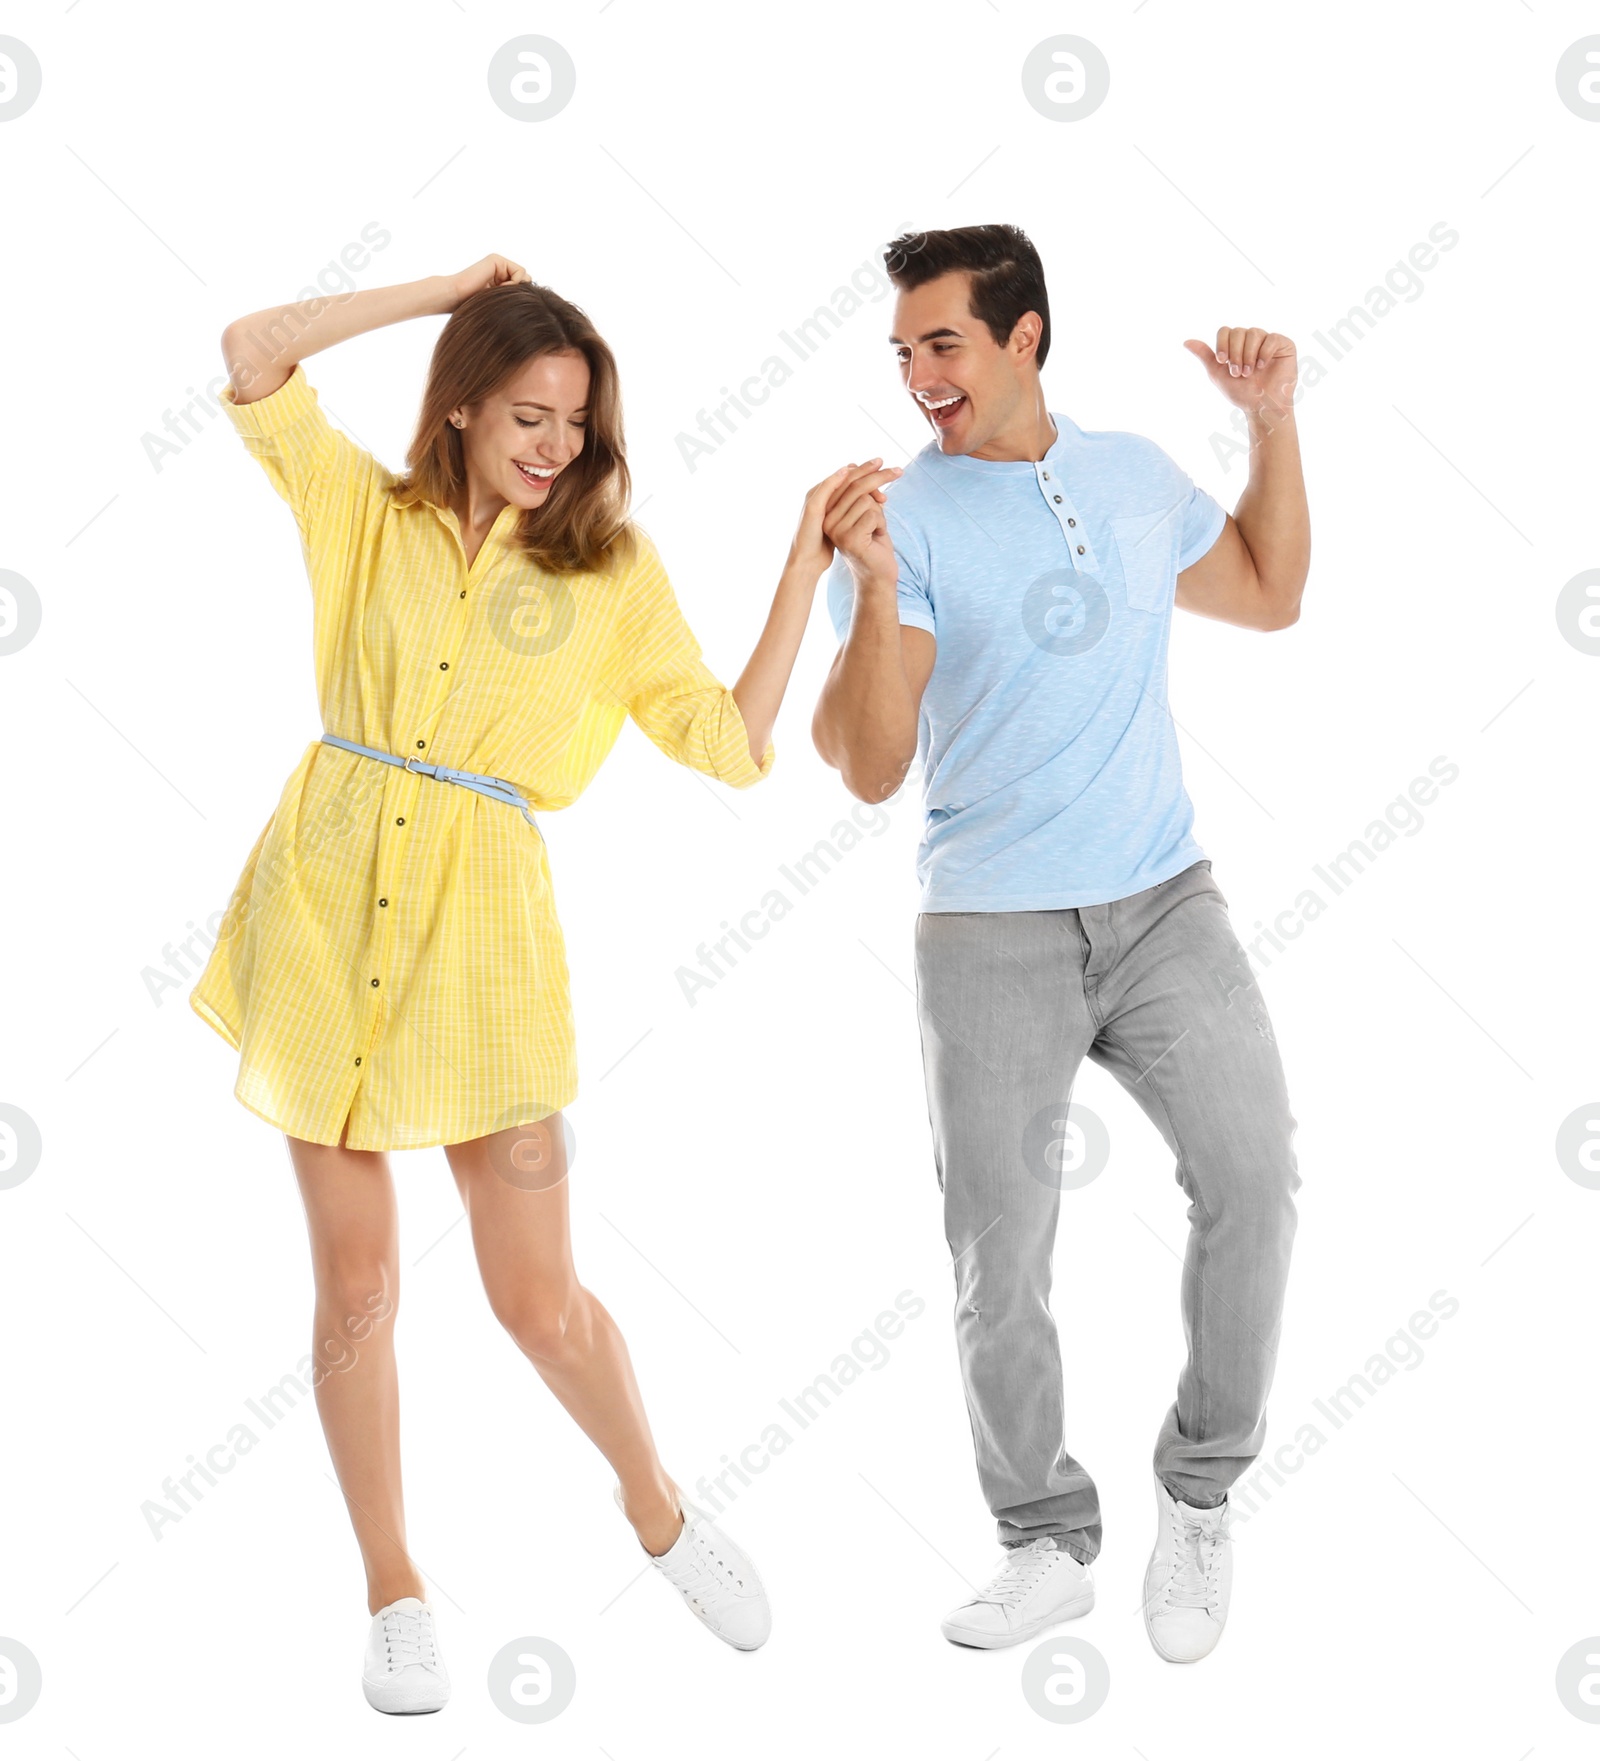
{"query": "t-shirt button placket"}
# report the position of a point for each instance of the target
(1068, 520)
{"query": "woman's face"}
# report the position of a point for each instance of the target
(521, 437)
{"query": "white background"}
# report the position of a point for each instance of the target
(754, 1181)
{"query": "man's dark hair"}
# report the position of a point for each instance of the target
(1007, 276)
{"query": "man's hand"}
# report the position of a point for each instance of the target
(1254, 369)
(812, 549)
(1256, 571)
(855, 525)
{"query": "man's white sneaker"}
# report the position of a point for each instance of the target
(1036, 1586)
(715, 1577)
(1190, 1575)
(403, 1671)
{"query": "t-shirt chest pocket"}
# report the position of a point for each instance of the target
(1148, 547)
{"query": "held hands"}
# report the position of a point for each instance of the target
(1254, 369)
(846, 511)
(491, 272)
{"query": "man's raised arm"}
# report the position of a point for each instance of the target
(866, 720)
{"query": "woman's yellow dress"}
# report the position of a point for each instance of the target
(391, 952)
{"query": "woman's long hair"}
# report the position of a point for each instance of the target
(583, 523)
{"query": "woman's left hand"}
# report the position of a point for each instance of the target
(813, 551)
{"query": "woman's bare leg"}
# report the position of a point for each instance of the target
(355, 1256)
(514, 1186)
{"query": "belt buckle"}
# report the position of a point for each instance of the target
(408, 764)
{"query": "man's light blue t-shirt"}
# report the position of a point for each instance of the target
(1050, 765)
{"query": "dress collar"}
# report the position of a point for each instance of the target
(410, 497)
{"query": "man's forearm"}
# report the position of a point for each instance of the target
(866, 720)
(1272, 515)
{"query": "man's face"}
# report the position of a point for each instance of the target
(967, 386)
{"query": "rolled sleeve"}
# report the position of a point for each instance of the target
(308, 461)
(671, 694)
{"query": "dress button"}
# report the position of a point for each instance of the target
(444, 666)
(463, 593)
(1058, 498)
(401, 820)
(421, 744)
(358, 1060)
(374, 984)
(383, 901)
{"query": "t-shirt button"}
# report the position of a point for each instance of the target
(1071, 522)
(1058, 498)
(1080, 550)
(1047, 476)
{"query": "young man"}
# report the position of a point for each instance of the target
(1004, 611)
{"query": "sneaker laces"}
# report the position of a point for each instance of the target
(1197, 1551)
(703, 1574)
(1016, 1579)
(408, 1639)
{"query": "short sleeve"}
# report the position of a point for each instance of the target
(911, 593)
(670, 692)
(1201, 520)
(312, 465)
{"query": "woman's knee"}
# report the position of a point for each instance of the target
(356, 1296)
(550, 1326)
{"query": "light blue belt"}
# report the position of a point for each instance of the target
(494, 787)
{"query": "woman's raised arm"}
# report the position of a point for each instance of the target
(262, 349)
(761, 686)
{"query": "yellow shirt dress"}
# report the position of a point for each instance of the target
(391, 952)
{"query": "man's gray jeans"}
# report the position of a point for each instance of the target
(1156, 989)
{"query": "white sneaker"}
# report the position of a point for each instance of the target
(1190, 1575)
(1036, 1586)
(715, 1577)
(403, 1671)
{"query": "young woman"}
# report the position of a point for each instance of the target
(390, 967)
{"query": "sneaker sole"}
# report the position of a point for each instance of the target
(1167, 1657)
(733, 1644)
(435, 1704)
(980, 1641)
